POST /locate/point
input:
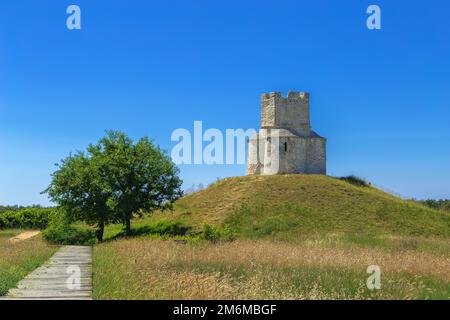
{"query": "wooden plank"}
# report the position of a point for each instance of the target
(49, 282)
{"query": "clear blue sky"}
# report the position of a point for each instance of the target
(382, 98)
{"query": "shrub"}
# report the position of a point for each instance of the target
(10, 208)
(27, 218)
(67, 234)
(60, 231)
(214, 235)
(357, 181)
(210, 233)
(227, 234)
(442, 204)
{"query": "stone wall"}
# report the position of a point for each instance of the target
(286, 143)
(289, 113)
(317, 156)
(276, 151)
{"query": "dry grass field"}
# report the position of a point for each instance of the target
(295, 237)
(259, 269)
(298, 237)
(18, 258)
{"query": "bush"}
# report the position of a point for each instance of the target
(27, 218)
(227, 234)
(442, 204)
(214, 235)
(210, 233)
(10, 208)
(66, 234)
(357, 181)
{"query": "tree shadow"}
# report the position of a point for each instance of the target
(160, 229)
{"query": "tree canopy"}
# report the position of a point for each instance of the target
(115, 180)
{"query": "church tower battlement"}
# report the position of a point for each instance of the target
(291, 112)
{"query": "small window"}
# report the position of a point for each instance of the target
(285, 147)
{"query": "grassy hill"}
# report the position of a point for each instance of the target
(296, 206)
(298, 237)
(331, 231)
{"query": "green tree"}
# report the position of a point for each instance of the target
(115, 180)
(142, 177)
(80, 189)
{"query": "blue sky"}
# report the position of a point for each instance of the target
(381, 97)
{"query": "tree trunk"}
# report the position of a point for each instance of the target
(128, 226)
(100, 230)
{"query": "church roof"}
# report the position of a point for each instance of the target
(285, 133)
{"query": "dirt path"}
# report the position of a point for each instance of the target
(24, 235)
(66, 276)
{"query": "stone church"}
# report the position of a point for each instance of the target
(285, 143)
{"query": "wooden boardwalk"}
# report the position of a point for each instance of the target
(66, 276)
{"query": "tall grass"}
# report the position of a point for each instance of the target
(20, 258)
(153, 269)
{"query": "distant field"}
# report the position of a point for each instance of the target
(258, 269)
(20, 258)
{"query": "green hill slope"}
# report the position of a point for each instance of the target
(301, 205)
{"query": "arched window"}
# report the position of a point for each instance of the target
(285, 147)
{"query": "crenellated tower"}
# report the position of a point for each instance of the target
(286, 113)
(286, 143)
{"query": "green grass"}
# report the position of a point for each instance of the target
(298, 237)
(9, 233)
(155, 269)
(19, 259)
(306, 208)
(321, 282)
